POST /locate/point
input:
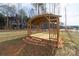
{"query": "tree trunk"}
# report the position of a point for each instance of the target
(17, 21)
(38, 9)
(7, 23)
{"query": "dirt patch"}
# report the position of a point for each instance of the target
(19, 48)
(9, 49)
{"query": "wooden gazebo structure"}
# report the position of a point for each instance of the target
(39, 35)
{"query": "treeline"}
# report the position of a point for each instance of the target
(12, 17)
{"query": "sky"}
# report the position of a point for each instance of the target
(72, 11)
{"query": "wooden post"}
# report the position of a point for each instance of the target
(58, 31)
(49, 26)
(38, 29)
(29, 29)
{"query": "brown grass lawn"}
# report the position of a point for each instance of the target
(10, 35)
(11, 42)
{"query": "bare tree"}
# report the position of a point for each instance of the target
(22, 13)
(39, 6)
